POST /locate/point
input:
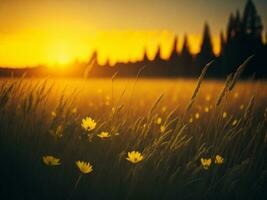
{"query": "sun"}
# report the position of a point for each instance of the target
(61, 53)
(63, 59)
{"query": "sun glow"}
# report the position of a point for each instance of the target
(31, 49)
(50, 39)
(61, 53)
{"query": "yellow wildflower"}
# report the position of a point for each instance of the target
(113, 110)
(104, 135)
(88, 124)
(158, 121)
(53, 114)
(59, 131)
(191, 120)
(205, 163)
(51, 160)
(84, 167)
(134, 157)
(197, 115)
(207, 109)
(234, 122)
(162, 128)
(208, 97)
(74, 110)
(164, 108)
(218, 160)
(224, 114)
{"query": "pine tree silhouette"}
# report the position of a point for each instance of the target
(158, 68)
(222, 43)
(251, 24)
(187, 60)
(173, 64)
(244, 38)
(206, 53)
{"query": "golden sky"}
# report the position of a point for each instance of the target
(59, 31)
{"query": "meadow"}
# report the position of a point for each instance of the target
(197, 140)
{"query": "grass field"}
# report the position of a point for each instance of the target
(209, 146)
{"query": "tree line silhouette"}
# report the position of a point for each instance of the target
(243, 38)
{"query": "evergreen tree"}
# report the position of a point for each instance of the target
(174, 54)
(145, 57)
(230, 28)
(186, 60)
(251, 24)
(173, 64)
(158, 65)
(237, 25)
(206, 53)
(222, 43)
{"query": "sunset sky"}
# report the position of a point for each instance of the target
(58, 31)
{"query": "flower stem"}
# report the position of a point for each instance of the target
(75, 186)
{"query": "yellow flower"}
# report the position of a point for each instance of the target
(113, 110)
(218, 160)
(191, 120)
(164, 108)
(208, 97)
(234, 122)
(134, 157)
(197, 115)
(51, 160)
(224, 114)
(162, 128)
(104, 135)
(207, 109)
(53, 114)
(84, 167)
(59, 131)
(158, 121)
(205, 163)
(88, 124)
(74, 110)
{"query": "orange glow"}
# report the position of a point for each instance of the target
(51, 34)
(30, 48)
(58, 32)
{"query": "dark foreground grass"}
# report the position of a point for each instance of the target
(171, 168)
